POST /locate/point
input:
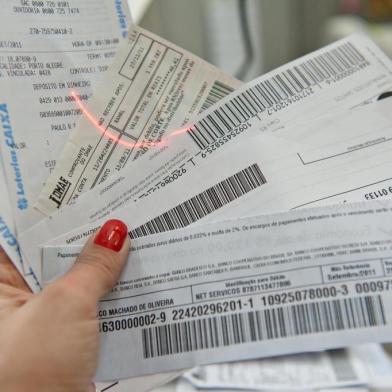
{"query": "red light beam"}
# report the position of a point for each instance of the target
(93, 120)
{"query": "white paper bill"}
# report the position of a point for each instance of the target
(357, 174)
(8, 240)
(364, 125)
(348, 389)
(286, 180)
(378, 365)
(297, 281)
(47, 50)
(153, 87)
(307, 371)
(183, 386)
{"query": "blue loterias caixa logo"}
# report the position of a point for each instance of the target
(22, 202)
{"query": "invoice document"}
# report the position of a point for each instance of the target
(265, 174)
(340, 76)
(47, 50)
(303, 280)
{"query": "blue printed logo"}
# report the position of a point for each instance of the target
(122, 18)
(22, 203)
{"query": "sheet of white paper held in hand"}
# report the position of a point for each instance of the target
(295, 281)
(46, 49)
(285, 181)
(8, 240)
(363, 148)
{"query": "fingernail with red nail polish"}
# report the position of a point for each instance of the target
(112, 235)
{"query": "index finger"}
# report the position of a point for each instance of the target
(101, 261)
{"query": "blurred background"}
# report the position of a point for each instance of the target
(247, 38)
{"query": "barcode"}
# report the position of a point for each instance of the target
(218, 91)
(268, 324)
(274, 90)
(204, 203)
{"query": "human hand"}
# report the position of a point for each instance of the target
(50, 341)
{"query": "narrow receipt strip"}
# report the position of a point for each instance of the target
(276, 284)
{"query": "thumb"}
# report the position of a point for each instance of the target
(101, 261)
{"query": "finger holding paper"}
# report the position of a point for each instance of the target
(50, 340)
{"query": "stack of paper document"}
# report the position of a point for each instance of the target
(360, 368)
(260, 213)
